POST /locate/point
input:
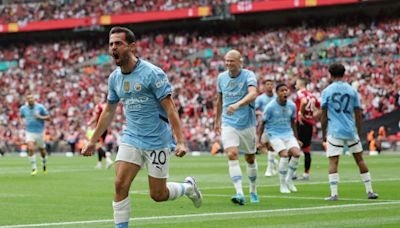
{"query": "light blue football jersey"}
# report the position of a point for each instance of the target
(262, 101)
(33, 124)
(340, 99)
(278, 119)
(233, 90)
(141, 91)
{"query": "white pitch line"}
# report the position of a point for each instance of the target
(277, 184)
(27, 171)
(205, 214)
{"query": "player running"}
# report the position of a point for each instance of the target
(35, 115)
(150, 111)
(237, 90)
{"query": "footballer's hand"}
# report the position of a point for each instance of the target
(300, 143)
(180, 150)
(217, 129)
(269, 146)
(260, 146)
(88, 149)
(232, 108)
(324, 145)
(37, 115)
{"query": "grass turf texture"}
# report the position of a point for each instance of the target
(74, 194)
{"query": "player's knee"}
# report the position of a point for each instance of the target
(250, 159)
(30, 147)
(158, 196)
(283, 154)
(232, 156)
(295, 152)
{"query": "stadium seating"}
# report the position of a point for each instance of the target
(66, 74)
(55, 10)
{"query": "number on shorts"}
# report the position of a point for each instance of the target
(158, 159)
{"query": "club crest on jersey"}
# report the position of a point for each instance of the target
(283, 110)
(127, 86)
(231, 84)
(138, 87)
(240, 84)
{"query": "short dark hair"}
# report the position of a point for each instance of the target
(336, 70)
(280, 84)
(129, 35)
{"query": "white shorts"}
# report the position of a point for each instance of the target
(37, 138)
(335, 146)
(156, 161)
(245, 139)
(284, 144)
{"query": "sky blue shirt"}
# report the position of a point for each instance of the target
(278, 119)
(262, 101)
(340, 99)
(33, 124)
(141, 91)
(233, 90)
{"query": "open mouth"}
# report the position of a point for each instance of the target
(116, 56)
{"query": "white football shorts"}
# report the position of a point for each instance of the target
(37, 138)
(156, 161)
(284, 144)
(335, 146)
(245, 139)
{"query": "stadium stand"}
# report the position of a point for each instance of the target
(66, 74)
(24, 11)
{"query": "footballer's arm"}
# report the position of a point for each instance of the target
(217, 121)
(169, 106)
(250, 97)
(260, 131)
(324, 123)
(358, 118)
(104, 121)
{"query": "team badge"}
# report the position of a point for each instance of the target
(127, 86)
(240, 85)
(138, 87)
(231, 84)
(283, 110)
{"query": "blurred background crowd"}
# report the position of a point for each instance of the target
(66, 74)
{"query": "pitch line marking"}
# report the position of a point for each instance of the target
(277, 185)
(205, 214)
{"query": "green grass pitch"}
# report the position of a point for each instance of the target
(75, 194)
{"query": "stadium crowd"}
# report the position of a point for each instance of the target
(65, 79)
(64, 9)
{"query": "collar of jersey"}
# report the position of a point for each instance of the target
(134, 67)
(229, 73)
